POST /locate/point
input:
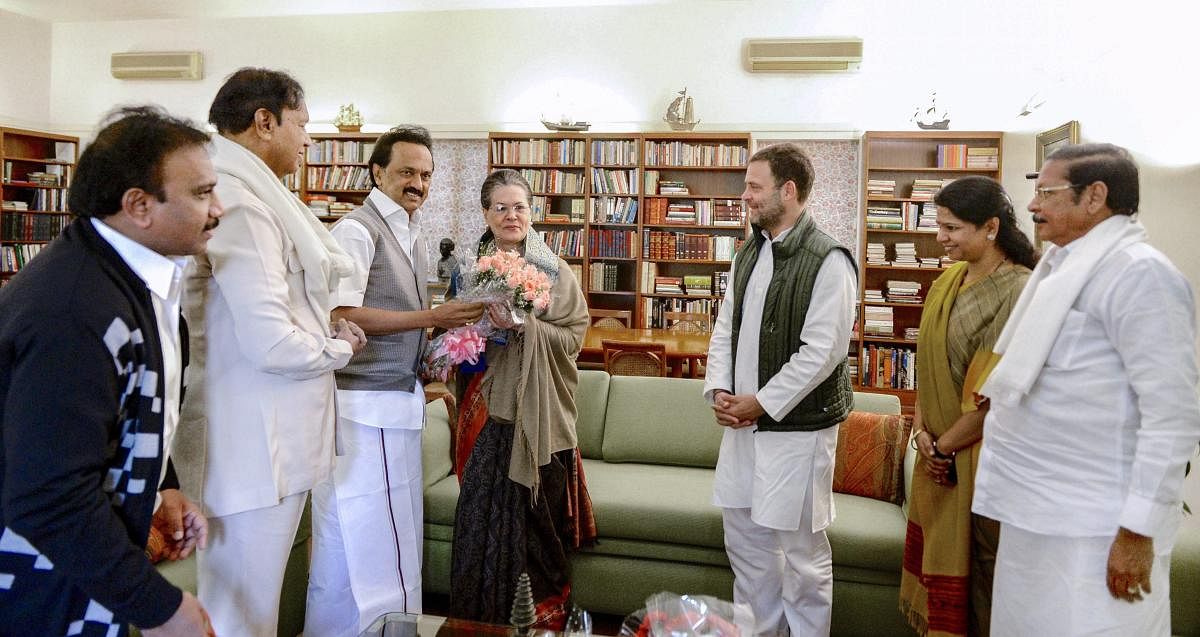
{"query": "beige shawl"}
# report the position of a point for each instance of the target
(531, 381)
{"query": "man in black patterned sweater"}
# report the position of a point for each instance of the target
(92, 352)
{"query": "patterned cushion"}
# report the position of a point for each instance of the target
(870, 456)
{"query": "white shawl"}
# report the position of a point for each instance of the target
(1040, 311)
(324, 261)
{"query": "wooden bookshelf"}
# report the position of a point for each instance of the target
(598, 178)
(904, 158)
(336, 166)
(37, 169)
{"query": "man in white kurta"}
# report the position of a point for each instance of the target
(776, 486)
(1093, 414)
(258, 304)
(368, 516)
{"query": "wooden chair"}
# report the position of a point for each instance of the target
(623, 358)
(611, 318)
(690, 323)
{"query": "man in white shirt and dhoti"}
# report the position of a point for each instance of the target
(778, 381)
(1093, 414)
(367, 516)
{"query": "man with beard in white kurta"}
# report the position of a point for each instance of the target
(777, 379)
(367, 516)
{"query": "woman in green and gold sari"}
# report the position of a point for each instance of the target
(949, 553)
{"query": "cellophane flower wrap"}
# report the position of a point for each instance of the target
(503, 278)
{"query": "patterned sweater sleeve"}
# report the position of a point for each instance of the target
(60, 433)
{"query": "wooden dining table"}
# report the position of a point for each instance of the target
(680, 346)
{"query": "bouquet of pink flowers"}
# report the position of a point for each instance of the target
(504, 279)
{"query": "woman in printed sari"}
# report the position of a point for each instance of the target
(949, 553)
(523, 505)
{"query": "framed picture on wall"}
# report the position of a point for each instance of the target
(1055, 138)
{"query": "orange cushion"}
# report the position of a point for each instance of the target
(870, 456)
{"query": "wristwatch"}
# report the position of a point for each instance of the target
(937, 453)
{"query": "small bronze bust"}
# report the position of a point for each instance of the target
(448, 262)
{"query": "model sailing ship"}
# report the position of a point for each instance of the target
(681, 113)
(930, 118)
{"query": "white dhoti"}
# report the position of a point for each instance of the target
(367, 532)
(1053, 585)
(240, 575)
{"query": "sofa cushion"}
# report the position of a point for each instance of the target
(591, 398)
(868, 534)
(870, 456)
(660, 550)
(660, 421)
(878, 403)
(435, 444)
(654, 503)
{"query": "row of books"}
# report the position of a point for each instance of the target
(673, 188)
(54, 174)
(877, 320)
(541, 209)
(653, 309)
(619, 182)
(888, 367)
(908, 292)
(681, 246)
(704, 212)
(605, 277)
(691, 285)
(614, 210)
(336, 151)
(904, 255)
(565, 243)
(13, 258)
(612, 243)
(339, 178)
(881, 187)
(926, 189)
(678, 153)
(539, 151)
(556, 181)
(911, 215)
(612, 151)
(31, 227)
(962, 156)
(328, 205)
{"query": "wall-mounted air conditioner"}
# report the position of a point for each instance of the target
(802, 55)
(158, 65)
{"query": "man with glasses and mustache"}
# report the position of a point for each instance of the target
(778, 382)
(1093, 414)
(368, 515)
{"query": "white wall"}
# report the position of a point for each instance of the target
(24, 71)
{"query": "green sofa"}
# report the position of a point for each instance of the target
(649, 448)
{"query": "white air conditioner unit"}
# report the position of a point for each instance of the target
(802, 55)
(158, 65)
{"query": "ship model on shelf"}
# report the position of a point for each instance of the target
(931, 117)
(681, 114)
(565, 124)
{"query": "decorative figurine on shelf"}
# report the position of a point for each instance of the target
(448, 263)
(930, 117)
(348, 119)
(681, 113)
(564, 122)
